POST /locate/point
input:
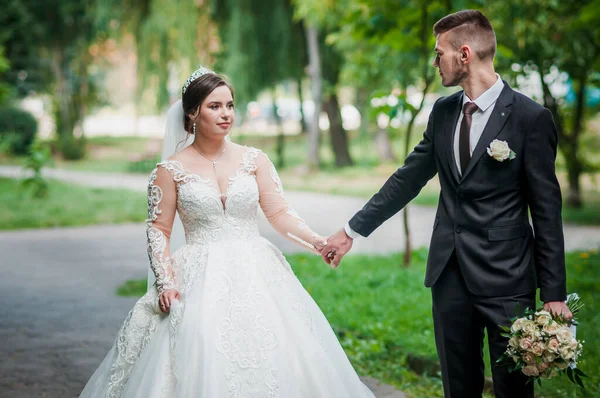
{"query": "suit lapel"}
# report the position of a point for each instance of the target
(450, 127)
(497, 120)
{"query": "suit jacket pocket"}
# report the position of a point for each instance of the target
(508, 233)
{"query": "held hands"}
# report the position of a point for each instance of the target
(166, 299)
(559, 308)
(336, 248)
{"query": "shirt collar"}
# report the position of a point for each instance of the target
(490, 96)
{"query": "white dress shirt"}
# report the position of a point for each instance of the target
(485, 102)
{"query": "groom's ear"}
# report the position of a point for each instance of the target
(465, 53)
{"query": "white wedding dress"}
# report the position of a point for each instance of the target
(244, 325)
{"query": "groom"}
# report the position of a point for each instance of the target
(484, 260)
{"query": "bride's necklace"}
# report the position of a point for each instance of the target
(213, 161)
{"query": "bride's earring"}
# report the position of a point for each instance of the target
(194, 128)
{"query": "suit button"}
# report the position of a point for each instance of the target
(461, 195)
(458, 230)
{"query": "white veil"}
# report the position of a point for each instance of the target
(176, 139)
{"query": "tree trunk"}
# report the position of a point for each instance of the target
(568, 143)
(407, 241)
(573, 174)
(62, 108)
(384, 147)
(339, 138)
(574, 163)
(428, 80)
(316, 90)
(303, 124)
(280, 148)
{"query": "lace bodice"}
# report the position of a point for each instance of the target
(210, 217)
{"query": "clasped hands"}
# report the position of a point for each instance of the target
(334, 248)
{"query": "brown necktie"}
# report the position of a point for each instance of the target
(464, 140)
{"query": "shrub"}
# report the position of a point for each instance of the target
(72, 148)
(17, 129)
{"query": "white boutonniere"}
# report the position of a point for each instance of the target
(500, 151)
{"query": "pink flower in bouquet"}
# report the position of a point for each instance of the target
(537, 348)
(529, 358)
(525, 343)
(553, 345)
(551, 328)
(542, 367)
(531, 371)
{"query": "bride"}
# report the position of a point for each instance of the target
(226, 316)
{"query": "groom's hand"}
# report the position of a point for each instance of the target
(558, 308)
(337, 246)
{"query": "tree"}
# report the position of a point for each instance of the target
(323, 18)
(48, 45)
(259, 55)
(401, 39)
(167, 33)
(549, 37)
(5, 87)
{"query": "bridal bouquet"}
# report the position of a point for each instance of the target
(542, 345)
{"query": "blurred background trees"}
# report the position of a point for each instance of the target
(355, 75)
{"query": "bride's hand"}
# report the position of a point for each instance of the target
(166, 299)
(319, 243)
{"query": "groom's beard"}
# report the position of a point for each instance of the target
(460, 74)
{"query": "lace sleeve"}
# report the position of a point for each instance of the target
(277, 209)
(162, 202)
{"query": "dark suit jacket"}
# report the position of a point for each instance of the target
(483, 214)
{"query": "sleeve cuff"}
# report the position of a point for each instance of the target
(350, 232)
(554, 293)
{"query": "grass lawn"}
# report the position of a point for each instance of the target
(382, 314)
(67, 205)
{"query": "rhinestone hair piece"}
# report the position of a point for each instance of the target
(201, 71)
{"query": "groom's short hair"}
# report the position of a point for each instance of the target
(469, 27)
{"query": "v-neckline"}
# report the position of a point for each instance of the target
(207, 182)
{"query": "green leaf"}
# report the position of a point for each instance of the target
(579, 381)
(570, 375)
(579, 372)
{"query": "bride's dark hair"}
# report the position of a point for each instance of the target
(197, 92)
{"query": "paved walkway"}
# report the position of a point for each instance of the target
(60, 314)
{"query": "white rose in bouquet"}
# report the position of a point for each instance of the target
(528, 327)
(516, 326)
(514, 342)
(543, 318)
(551, 328)
(567, 354)
(564, 335)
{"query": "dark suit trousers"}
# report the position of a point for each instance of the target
(459, 320)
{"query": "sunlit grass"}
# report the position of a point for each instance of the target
(382, 314)
(67, 205)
